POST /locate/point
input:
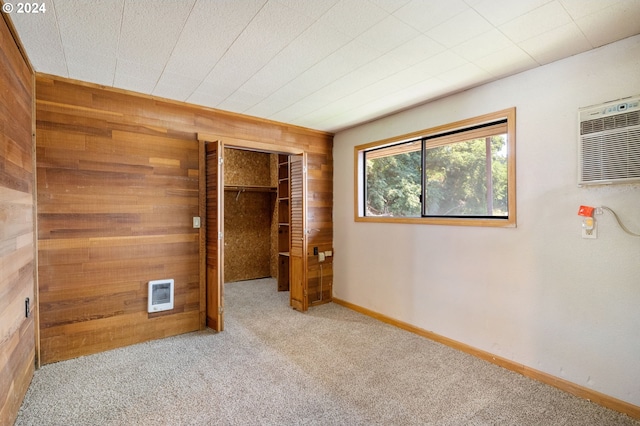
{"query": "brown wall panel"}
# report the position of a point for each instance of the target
(118, 179)
(17, 248)
(247, 216)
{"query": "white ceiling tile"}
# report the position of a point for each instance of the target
(240, 101)
(207, 94)
(499, 12)
(556, 44)
(91, 66)
(90, 26)
(311, 47)
(175, 86)
(425, 15)
(349, 58)
(349, 115)
(353, 17)
(581, 8)
(269, 106)
(293, 112)
(210, 29)
(440, 63)
(390, 6)
(40, 36)
(272, 30)
(312, 9)
(416, 50)
(136, 77)
(150, 29)
(460, 28)
(598, 29)
(465, 76)
(485, 44)
(370, 74)
(507, 61)
(322, 63)
(545, 18)
(387, 34)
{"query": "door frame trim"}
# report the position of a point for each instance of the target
(225, 142)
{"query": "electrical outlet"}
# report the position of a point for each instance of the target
(590, 233)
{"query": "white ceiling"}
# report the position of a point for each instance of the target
(323, 64)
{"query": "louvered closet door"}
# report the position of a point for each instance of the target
(297, 258)
(214, 229)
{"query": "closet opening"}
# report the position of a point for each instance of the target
(254, 209)
(256, 220)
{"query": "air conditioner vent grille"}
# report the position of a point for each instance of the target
(611, 156)
(610, 122)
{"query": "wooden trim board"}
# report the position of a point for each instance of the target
(564, 385)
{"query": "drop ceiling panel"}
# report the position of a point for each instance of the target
(310, 48)
(416, 50)
(136, 77)
(150, 29)
(485, 44)
(387, 34)
(390, 6)
(352, 17)
(323, 63)
(424, 16)
(605, 26)
(462, 27)
(90, 26)
(538, 21)
(175, 86)
(506, 61)
(87, 65)
(209, 31)
(502, 11)
(558, 43)
(581, 8)
(312, 9)
(40, 32)
(269, 32)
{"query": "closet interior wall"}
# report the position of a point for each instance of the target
(250, 212)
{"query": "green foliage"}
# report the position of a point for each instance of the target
(393, 185)
(455, 176)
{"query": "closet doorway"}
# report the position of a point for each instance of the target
(285, 192)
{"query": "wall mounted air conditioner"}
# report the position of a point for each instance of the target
(609, 142)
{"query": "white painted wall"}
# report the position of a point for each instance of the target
(539, 294)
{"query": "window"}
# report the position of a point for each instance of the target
(459, 174)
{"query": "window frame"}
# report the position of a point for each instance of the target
(509, 222)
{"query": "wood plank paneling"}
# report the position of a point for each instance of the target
(17, 249)
(116, 212)
(113, 167)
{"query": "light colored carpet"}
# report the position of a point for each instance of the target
(276, 366)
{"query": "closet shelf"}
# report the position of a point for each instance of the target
(250, 188)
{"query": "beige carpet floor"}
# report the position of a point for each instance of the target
(276, 366)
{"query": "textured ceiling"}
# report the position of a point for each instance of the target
(323, 64)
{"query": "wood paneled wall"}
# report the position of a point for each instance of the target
(117, 188)
(17, 250)
(320, 225)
